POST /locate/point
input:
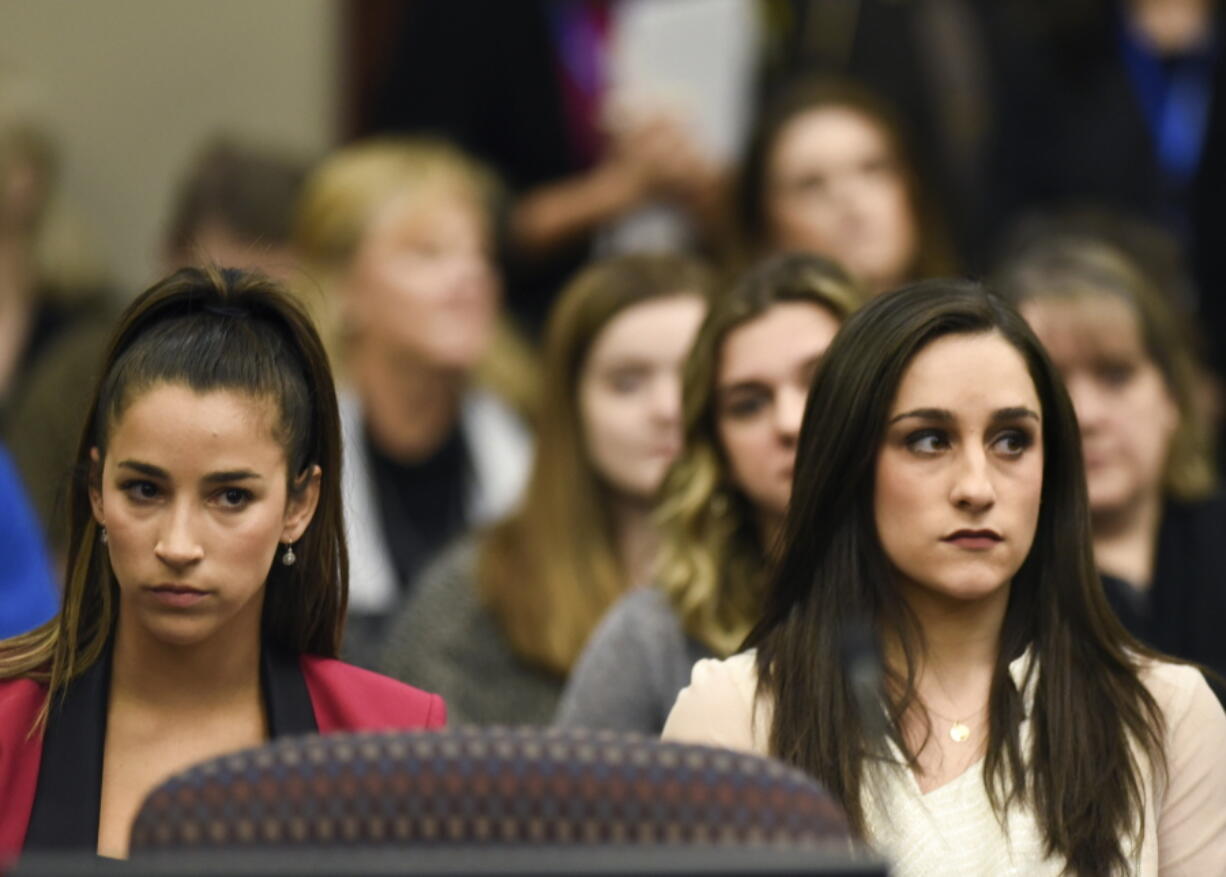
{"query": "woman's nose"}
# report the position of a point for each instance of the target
(973, 488)
(789, 412)
(178, 545)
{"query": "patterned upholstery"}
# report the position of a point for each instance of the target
(486, 786)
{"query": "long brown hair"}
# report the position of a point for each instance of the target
(711, 556)
(1089, 703)
(934, 253)
(550, 571)
(208, 329)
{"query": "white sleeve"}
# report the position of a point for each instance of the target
(1192, 820)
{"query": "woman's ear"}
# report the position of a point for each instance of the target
(300, 507)
(95, 485)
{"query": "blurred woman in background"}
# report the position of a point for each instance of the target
(498, 621)
(50, 280)
(723, 501)
(1128, 362)
(54, 301)
(827, 171)
(398, 233)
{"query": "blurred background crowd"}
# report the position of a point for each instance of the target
(577, 261)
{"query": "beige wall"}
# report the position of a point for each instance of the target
(132, 87)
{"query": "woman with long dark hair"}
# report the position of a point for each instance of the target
(207, 570)
(939, 529)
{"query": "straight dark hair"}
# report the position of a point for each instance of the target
(208, 329)
(833, 575)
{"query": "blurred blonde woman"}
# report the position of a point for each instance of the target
(724, 499)
(397, 235)
(499, 620)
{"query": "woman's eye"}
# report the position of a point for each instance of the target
(1115, 374)
(810, 184)
(140, 490)
(1013, 443)
(877, 166)
(927, 442)
(234, 497)
(626, 381)
(745, 407)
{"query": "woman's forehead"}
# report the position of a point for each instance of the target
(981, 370)
(1092, 325)
(175, 421)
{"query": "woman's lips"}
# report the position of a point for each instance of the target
(974, 540)
(177, 596)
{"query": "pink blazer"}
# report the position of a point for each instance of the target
(343, 697)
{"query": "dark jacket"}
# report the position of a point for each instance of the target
(1183, 613)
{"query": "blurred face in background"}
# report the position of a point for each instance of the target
(630, 392)
(24, 191)
(1125, 409)
(422, 282)
(834, 188)
(216, 242)
(765, 369)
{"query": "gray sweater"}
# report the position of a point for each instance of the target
(446, 642)
(636, 662)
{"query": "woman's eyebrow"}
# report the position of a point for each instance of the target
(1016, 412)
(143, 468)
(744, 384)
(233, 475)
(941, 414)
(212, 478)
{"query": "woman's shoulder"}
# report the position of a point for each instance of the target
(738, 673)
(349, 698)
(451, 575)
(1191, 799)
(645, 606)
(1176, 687)
(20, 696)
(1194, 719)
(721, 707)
(643, 624)
(443, 603)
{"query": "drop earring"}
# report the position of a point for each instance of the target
(102, 535)
(289, 558)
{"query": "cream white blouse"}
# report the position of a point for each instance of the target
(952, 829)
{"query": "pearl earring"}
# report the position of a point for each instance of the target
(102, 535)
(289, 558)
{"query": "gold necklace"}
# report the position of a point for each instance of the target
(959, 730)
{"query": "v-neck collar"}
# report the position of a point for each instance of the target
(67, 799)
(1023, 670)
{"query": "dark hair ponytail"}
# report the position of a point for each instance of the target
(209, 329)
